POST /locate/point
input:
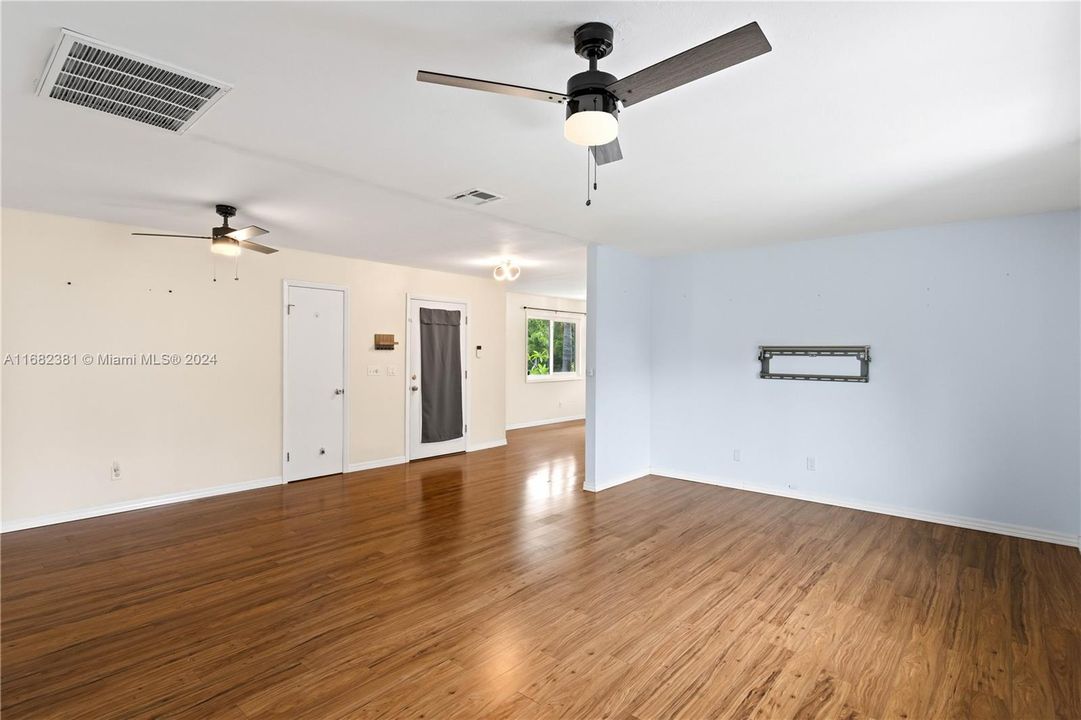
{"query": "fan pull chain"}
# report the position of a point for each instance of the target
(236, 268)
(588, 200)
(213, 267)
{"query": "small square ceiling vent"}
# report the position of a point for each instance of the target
(90, 73)
(475, 197)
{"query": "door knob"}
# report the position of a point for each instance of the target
(339, 391)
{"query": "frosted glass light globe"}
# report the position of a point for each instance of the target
(591, 127)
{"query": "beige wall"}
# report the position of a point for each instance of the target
(179, 429)
(533, 403)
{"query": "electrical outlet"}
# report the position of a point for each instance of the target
(810, 463)
(392, 370)
(374, 370)
(116, 470)
(735, 455)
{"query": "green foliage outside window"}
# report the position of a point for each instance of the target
(537, 336)
(551, 346)
(563, 347)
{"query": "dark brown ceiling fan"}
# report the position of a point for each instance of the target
(225, 240)
(593, 97)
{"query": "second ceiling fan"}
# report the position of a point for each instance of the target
(225, 240)
(593, 97)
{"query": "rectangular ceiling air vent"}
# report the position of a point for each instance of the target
(90, 73)
(475, 197)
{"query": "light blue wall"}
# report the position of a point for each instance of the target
(974, 405)
(618, 367)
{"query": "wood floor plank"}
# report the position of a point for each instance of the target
(489, 585)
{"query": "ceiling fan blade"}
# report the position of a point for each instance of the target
(488, 86)
(719, 53)
(248, 245)
(196, 237)
(246, 233)
(608, 153)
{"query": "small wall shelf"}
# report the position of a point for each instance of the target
(861, 352)
(384, 342)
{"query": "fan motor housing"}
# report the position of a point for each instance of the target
(589, 81)
(588, 91)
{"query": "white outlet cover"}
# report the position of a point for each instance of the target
(374, 370)
(392, 371)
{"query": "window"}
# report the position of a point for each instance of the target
(552, 347)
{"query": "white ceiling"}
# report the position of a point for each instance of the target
(865, 116)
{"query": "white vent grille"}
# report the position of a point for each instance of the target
(86, 72)
(475, 197)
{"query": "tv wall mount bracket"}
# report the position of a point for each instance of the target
(862, 352)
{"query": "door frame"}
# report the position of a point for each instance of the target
(286, 284)
(466, 381)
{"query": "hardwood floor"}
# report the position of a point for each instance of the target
(489, 585)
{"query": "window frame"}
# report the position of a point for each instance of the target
(553, 317)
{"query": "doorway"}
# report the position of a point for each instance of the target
(314, 363)
(437, 378)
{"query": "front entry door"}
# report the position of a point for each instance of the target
(438, 378)
(314, 437)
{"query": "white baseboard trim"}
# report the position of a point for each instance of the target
(141, 504)
(970, 523)
(486, 445)
(373, 464)
(604, 485)
(537, 423)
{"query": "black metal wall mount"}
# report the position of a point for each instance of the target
(863, 352)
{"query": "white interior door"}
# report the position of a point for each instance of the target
(422, 408)
(315, 370)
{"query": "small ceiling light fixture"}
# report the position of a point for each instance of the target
(506, 271)
(590, 127)
(223, 245)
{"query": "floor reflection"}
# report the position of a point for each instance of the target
(442, 496)
(554, 478)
